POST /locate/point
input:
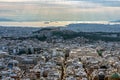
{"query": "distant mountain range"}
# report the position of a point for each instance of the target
(5, 19)
(91, 31)
(92, 27)
(115, 21)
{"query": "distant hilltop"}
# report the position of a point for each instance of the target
(5, 19)
(90, 31)
(93, 27)
(116, 21)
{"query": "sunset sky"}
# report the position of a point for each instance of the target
(59, 10)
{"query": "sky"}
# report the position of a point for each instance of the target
(59, 10)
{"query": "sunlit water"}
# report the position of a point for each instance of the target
(46, 23)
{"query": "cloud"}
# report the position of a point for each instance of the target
(58, 10)
(55, 3)
(110, 3)
(17, 0)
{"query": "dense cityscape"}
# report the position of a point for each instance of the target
(39, 54)
(59, 39)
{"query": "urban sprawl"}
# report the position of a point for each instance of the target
(59, 59)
